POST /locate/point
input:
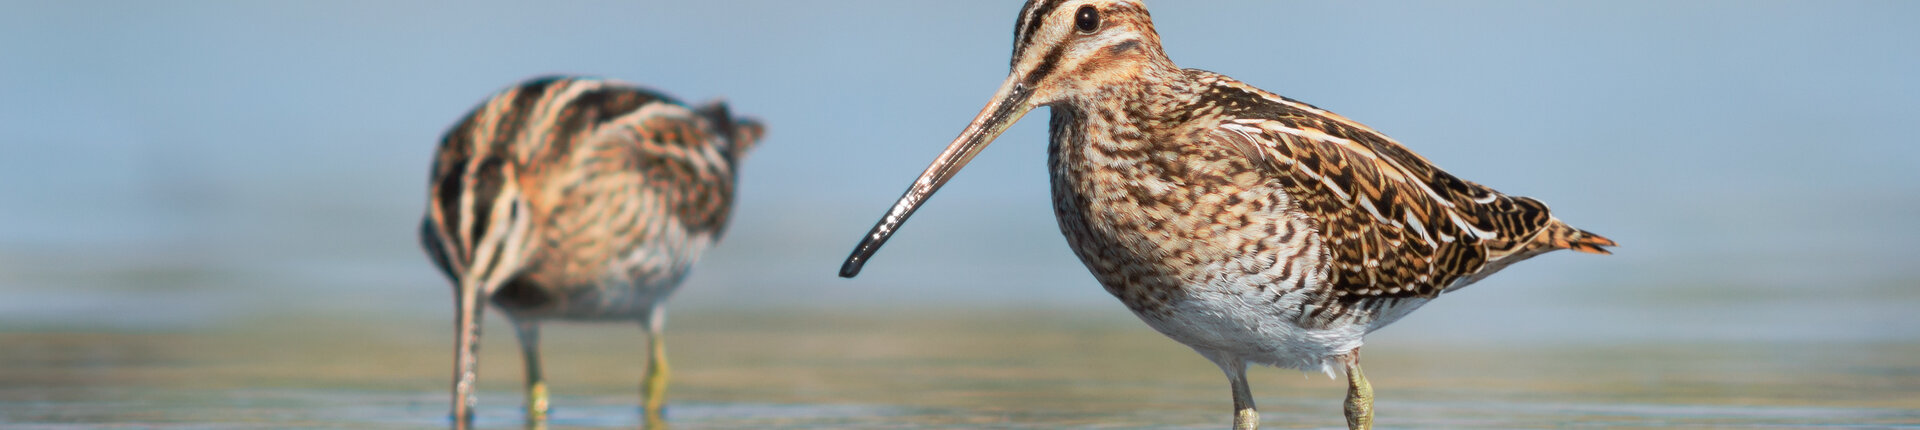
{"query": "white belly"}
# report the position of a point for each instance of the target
(1254, 327)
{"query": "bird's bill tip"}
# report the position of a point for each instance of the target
(859, 258)
(851, 268)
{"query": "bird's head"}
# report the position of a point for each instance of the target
(1063, 51)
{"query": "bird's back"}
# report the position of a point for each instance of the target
(569, 193)
(1396, 226)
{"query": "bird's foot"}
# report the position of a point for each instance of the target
(1246, 419)
(1359, 406)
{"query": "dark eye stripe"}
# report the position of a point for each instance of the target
(1047, 66)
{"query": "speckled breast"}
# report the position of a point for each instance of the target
(1162, 215)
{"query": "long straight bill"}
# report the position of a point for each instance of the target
(1008, 106)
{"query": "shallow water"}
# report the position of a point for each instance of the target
(927, 369)
(211, 209)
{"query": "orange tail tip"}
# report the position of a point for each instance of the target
(1583, 241)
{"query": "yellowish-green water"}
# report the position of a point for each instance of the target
(909, 370)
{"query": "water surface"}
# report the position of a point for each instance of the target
(923, 369)
(210, 211)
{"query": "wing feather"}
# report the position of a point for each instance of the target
(1396, 226)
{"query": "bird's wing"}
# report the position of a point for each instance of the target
(679, 158)
(1395, 225)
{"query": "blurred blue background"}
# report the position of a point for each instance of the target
(180, 165)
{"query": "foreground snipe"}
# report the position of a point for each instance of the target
(580, 199)
(1251, 227)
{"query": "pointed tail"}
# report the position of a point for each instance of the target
(741, 132)
(1566, 237)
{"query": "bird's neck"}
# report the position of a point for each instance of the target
(1158, 101)
(1157, 94)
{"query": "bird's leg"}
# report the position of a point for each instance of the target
(654, 384)
(1244, 415)
(1359, 395)
(537, 401)
(466, 352)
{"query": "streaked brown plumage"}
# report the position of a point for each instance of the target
(1251, 227)
(580, 199)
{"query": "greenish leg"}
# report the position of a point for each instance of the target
(1359, 395)
(654, 383)
(1244, 415)
(537, 400)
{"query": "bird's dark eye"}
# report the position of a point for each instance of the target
(1087, 20)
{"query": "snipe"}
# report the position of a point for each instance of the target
(577, 199)
(1248, 226)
